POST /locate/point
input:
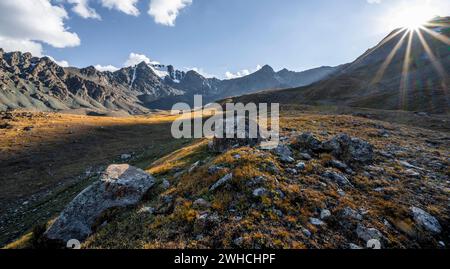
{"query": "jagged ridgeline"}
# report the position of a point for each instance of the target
(41, 84)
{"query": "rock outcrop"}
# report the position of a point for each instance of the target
(120, 186)
(232, 135)
(349, 149)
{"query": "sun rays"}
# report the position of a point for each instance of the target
(410, 35)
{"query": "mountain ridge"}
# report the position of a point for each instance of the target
(383, 77)
(40, 84)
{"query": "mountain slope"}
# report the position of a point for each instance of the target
(40, 84)
(373, 81)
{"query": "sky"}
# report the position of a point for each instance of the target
(221, 38)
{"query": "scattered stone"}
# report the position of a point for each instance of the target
(165, 184)
(202, 203)
(354, 246)
(341, 192)
(351, 213)
(259, 192)
(147, 210)
(338, 178)
(306, 232)
(367, 234)
(386, 154)
(316, 222)
(409, 166)
(119, 186)
(280, 194)
(349, 149)
(426, 220)
(125, 157)
(178, 174)
(215, 169)
(28, 128)
(325, 214)
(221, 182)
(256, 181)
(412, 173)
(301, 166)
(383, 133)
(272, 168)
(194, 166)
(278, 212)
(166, 204)
(337, 164)
(305, 156)
(291, 171)
(238, 241)
(422, 114)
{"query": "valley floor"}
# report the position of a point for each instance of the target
(47, 158)
(268, 203)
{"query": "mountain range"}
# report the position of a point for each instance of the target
(408, 70)
(41, 84)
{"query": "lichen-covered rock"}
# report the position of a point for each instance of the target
(349, 149)
(308, 142)
(119, 186)
(234, 136)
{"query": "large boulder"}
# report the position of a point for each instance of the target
(119, 186)
(232, 136)
(349, 149)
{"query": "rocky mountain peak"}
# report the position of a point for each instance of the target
(266, 69)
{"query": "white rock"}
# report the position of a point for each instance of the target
(324, 214)
(426, 220)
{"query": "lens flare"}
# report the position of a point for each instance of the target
(411, 17)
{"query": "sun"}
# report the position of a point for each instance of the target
(411, 17)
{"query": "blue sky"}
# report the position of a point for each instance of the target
(217, 36)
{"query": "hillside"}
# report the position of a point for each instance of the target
(405, 71)
(301, 195)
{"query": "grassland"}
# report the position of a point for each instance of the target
(234, 217)
(47, 158)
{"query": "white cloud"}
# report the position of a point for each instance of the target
(60, 63)
(126, 6)
(374, 1)
(25, 24)
(103, 68)
(135, 59)
(10, 45)
(81, 7)
(242, 73)
(165, 12)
